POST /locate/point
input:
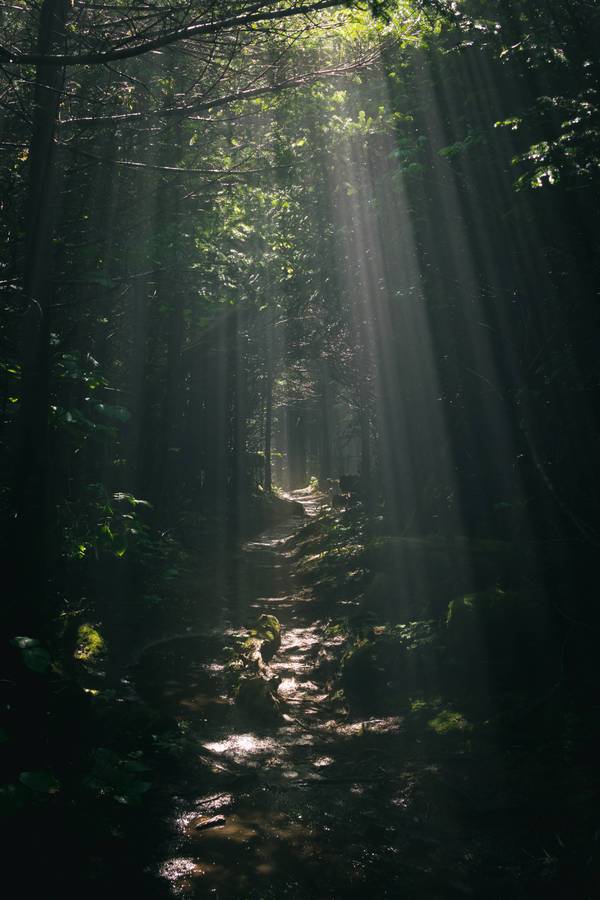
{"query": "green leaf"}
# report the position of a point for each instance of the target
(134, 501)
(40, 782)
(24, 643)
(37, 659)
(34, 656)
(513, 123)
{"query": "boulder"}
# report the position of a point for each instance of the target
(383, 671)
(202, 823)
(498, 636)
(256, 696)
(268, 632)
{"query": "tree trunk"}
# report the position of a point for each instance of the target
(268, 485)
(216, 430)
(28, 536)
(137, 388)
(296, 444)
(365, 441)
(325, 454)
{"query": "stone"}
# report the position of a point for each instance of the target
(268, 631)
(256, 696)
(204, 822)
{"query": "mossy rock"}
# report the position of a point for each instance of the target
(500, 635)
(425, 573)
(256, 696)
(268, 632)
(384, 670)
(485, 622)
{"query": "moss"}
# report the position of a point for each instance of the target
(268, 635)
(418, 706)
(336, 629)
(91, 646)
(268, 627)
(341, 535)
(449, 720)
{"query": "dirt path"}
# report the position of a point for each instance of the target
(268, 784)
(316, 807)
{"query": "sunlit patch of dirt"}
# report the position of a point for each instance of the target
(323, 761)
(277, 606)
(213, 667)
(172, 869)
(403, 798)
(184, 873)
(243, 748)
(288, 687)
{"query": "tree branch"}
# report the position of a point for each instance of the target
(171, 37)
(176, 170)
(225, 100)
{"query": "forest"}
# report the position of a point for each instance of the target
(299, 442)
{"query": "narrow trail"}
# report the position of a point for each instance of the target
(316, 806)
(266, 783)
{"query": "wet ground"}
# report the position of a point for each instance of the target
(319, 805)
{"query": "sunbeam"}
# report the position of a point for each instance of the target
(299, 435)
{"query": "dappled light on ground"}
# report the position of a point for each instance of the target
(247, 748)
(318, 799)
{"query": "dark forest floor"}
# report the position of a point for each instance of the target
(411, 783)
(357, 792)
